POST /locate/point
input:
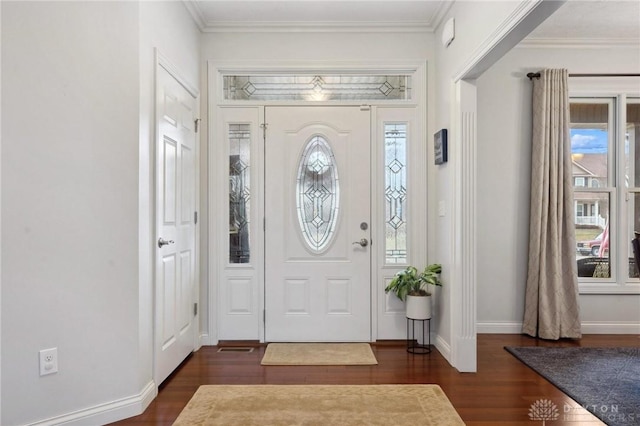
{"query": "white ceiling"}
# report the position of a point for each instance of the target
(596, 21)
(588, 20)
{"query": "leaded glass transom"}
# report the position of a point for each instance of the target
(395, 192)
(239, 192)
(317, 87)
(317, 194)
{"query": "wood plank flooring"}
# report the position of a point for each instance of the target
(500, 393)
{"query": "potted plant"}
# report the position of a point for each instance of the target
(412, 286)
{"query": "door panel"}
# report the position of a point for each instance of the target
(175, 207)
(317, 202)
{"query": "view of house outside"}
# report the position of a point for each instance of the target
(606, 173)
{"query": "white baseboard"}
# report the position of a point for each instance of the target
(612, 327)
(588, 327)
(465, 355)
(205, 339)
(443, 347)
(499, 328)
(208, 339)
(106, 413)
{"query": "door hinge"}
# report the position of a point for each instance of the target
(195, 218)
(264, 315)
(195, 309)
(365, 107)
(196, 122)
(264, 224)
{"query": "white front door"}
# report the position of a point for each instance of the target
(175, 278)
(317, 220)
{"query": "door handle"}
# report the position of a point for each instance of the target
(163, 242)
(363, 242)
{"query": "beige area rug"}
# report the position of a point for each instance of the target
(343, 405)
(319, 354)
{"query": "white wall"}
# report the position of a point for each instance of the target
(77, 199)
(476, 26)
(0, 215)
(504, 138)
(69, 205)
(315, 46)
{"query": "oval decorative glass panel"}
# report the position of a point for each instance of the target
(317, 194)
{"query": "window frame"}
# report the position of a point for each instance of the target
(619, 281)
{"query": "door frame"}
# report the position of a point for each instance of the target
(161, 61)
(218, 184)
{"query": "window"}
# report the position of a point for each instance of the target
(632, 175)
(395, 192)
(317, 88)
(317, 194)
(239, 192)
(606, 168)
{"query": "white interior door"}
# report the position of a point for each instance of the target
(317, 226)
(175, 286)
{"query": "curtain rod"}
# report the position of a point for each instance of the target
(533, 75)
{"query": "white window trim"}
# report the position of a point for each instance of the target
(615, 92)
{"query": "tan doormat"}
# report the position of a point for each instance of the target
(319, 354)
(343, 405)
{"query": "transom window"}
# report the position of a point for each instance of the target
(317, 87)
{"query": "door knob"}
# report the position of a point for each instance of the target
(363, 242)
(163, 242)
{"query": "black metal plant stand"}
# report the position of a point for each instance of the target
(412, 344)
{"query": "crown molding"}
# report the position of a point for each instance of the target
(583, 43)
(196, 13)
(316, 27)
(307, 26)
(506, 35)
(440, 14)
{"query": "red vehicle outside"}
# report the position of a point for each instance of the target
(597, 247)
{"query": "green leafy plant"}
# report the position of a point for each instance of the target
(410, 282)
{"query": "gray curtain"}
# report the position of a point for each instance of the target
(551, 299)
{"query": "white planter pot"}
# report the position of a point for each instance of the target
(418, 307)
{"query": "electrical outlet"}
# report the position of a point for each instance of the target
(48, 361)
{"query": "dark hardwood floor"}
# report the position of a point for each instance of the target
(500, 393)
